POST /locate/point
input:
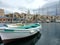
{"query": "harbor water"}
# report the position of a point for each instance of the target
(50, 35)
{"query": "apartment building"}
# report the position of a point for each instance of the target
(1, 12)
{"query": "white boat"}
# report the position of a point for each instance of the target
(14, 25)
(11, 32)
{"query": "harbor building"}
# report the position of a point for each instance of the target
(1, 12)
(9, 17)
(5, 20)
(15, 17)
(27, 17)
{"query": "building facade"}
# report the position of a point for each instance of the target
(1, 12)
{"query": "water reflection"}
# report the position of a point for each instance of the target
(50, 34)
(27, 41)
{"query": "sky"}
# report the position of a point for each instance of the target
(22, 5)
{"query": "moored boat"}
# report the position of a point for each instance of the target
(12, 32)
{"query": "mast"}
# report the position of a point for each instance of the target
(59, 7)
(28, 13)
(56, 9)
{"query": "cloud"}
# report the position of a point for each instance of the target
(51, 0)
(20, 5)
(24, 3)
(36, 4)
